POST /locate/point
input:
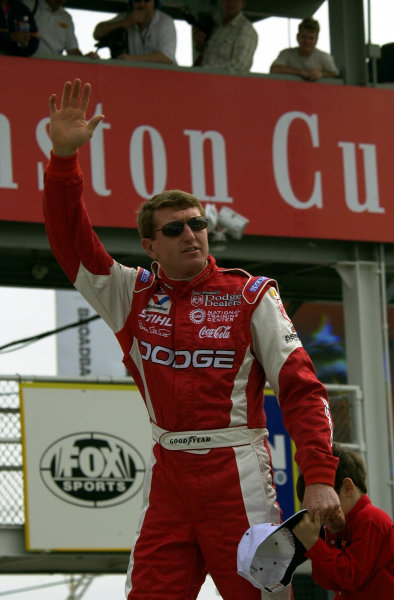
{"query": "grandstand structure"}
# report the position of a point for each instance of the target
(307, 165)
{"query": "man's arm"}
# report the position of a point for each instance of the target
(302, 398)
(105, 27)
(280, 65)
(106, 285)
(328, 66)
(77, 52)
(311, 74)
(329, 74)
(285, 70)
(125, 20)
(155, 57)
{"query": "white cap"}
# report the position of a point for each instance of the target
(269, 553)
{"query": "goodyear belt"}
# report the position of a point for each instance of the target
(207, 439)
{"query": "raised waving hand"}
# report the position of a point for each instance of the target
(68, 128)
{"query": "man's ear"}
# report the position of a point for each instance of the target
(148, 247)
(348, 486)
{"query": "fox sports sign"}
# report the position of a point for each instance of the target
(92, 469)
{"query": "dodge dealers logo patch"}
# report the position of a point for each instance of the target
(92, 469)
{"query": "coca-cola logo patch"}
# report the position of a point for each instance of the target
(221, 332)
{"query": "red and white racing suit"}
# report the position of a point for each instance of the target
(200, 352)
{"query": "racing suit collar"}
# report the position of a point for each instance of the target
(183, 284)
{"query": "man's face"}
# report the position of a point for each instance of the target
(146, 7)
(183, 256)
(307, 41)
(231, 8)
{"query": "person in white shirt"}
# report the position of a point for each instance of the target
(306, 60)
(55, 27)
(151, 34)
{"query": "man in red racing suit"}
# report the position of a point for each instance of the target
(200, 348)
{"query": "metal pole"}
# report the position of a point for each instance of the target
(389, 389)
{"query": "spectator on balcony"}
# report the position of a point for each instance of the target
(55, 27)
(306, 60)
(151, 34)
(202, 31)
(233, 43)
(18, 30)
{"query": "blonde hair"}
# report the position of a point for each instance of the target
(310, 25)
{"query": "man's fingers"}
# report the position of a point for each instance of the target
(71, 96)
(52, 104)
(85, 97)
(94, 121)
(75, 91)
(65, 101)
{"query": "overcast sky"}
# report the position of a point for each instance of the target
(27, 312)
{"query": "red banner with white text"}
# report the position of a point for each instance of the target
(297, 159)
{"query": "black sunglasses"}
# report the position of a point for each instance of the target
(175, 228)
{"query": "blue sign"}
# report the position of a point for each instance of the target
(282, 452)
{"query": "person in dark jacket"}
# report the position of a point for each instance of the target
(18, 30)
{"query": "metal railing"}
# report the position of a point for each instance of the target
(345, 405)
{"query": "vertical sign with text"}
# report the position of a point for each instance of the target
(282, 451)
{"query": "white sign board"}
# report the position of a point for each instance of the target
(89, 348)
(86, 447)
